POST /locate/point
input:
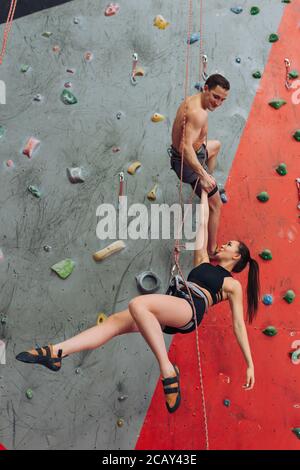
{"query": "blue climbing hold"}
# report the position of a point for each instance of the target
(267, 299)
(199, 86)
(194, 38)
(236, 10)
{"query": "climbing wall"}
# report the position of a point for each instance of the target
(106, 398)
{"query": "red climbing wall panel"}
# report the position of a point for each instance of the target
(262, 418)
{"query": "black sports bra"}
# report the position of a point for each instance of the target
(211, 278)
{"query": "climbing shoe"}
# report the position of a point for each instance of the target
(43, 356)
(172, 402)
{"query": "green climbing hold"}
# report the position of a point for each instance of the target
(67, 97)
(282, 169)
(289, 296)
(64, 268)
(263, 196)
(273, 37)
(256, 74)
(25, 68)
(293, 74)
(276, 104)
(297, 135)
(286, 1)
(47, 34)
(2, 131)
(29, 394)
(227, 403)
(254, 10)
(35, 191)
(266, 255)
(270, 331)
(296, 431)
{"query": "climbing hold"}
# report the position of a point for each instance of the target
(112, 9)
(296, 431)
(29, 393)
(286, 1)
(76, 20)
(223, 195)
(297, 135)
(88, 56)
(67, 97)
(273, 37)
(123, 397)
(77, 371)
(263, 196)
(282, 169)
(101, 318)
(140, 282)
(256, 74)
(267, 299)
(75, 175)
(56, 48)
(133, 167)
(68, 85)
(47, 34)
(194, 38)
(266, 255)
(116, 149)
(109, 250)
(37, 97)
(10, 163)
(120, 423)
(270, 331)
(119, 115)
(236, 10)
(199, 86)
(159, 117)
(160, 22)
(238, 60)
(71, 71)
(254, 10)
(139, 72)
(2, 131)
(35, 191)
(31, 146)
(64, 268)
(289, 296)
(227, 403)
(24, 68)
(276, 104)
(293, 74)
(47, 248)
(152, 194)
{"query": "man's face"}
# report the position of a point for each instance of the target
(215, 97)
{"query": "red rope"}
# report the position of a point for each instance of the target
(7, 28)
(177, 247)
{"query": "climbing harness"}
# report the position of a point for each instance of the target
(7, 28)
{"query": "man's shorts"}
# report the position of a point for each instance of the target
(189, 175)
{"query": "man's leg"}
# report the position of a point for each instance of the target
(213, 149)
(215, 205)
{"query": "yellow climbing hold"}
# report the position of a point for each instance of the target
(101, 318)
(160, 22)
(133, 167)
(157, 117)
(139, 72)
(152, 194)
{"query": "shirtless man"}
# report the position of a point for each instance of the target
(200, 154)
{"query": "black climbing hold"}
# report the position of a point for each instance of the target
(236, 10)
(238, 60)
(256, 74)
(263, 196)
(296, 431)
(282, 169)
(273, 37)
(140, 279)
(47, 248)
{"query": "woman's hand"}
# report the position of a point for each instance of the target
(250, 380)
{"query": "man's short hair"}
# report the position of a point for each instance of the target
(216, 79)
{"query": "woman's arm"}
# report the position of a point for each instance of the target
(240, 331)
(200, 252)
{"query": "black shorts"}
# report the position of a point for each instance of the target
(200, 308)
(189, 175)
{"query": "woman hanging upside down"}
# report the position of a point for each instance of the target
(153, 314)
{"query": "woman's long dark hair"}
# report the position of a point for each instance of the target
(253, 286)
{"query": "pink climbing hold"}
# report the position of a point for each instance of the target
(88, 56)
(112, 9)
(31, 146)
(10, 163)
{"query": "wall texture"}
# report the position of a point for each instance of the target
(78, 408)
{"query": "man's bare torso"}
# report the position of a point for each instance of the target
(193, 105)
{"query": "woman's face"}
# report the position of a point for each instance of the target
(229, 250)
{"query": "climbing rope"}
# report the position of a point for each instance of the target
(178, 246)
(8, 27)
(288, 82)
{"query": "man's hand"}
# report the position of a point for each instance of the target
(208, 183)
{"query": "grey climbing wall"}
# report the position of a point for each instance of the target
(78, 408)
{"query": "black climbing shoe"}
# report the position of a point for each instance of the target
(171, 407)
(43, 356)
